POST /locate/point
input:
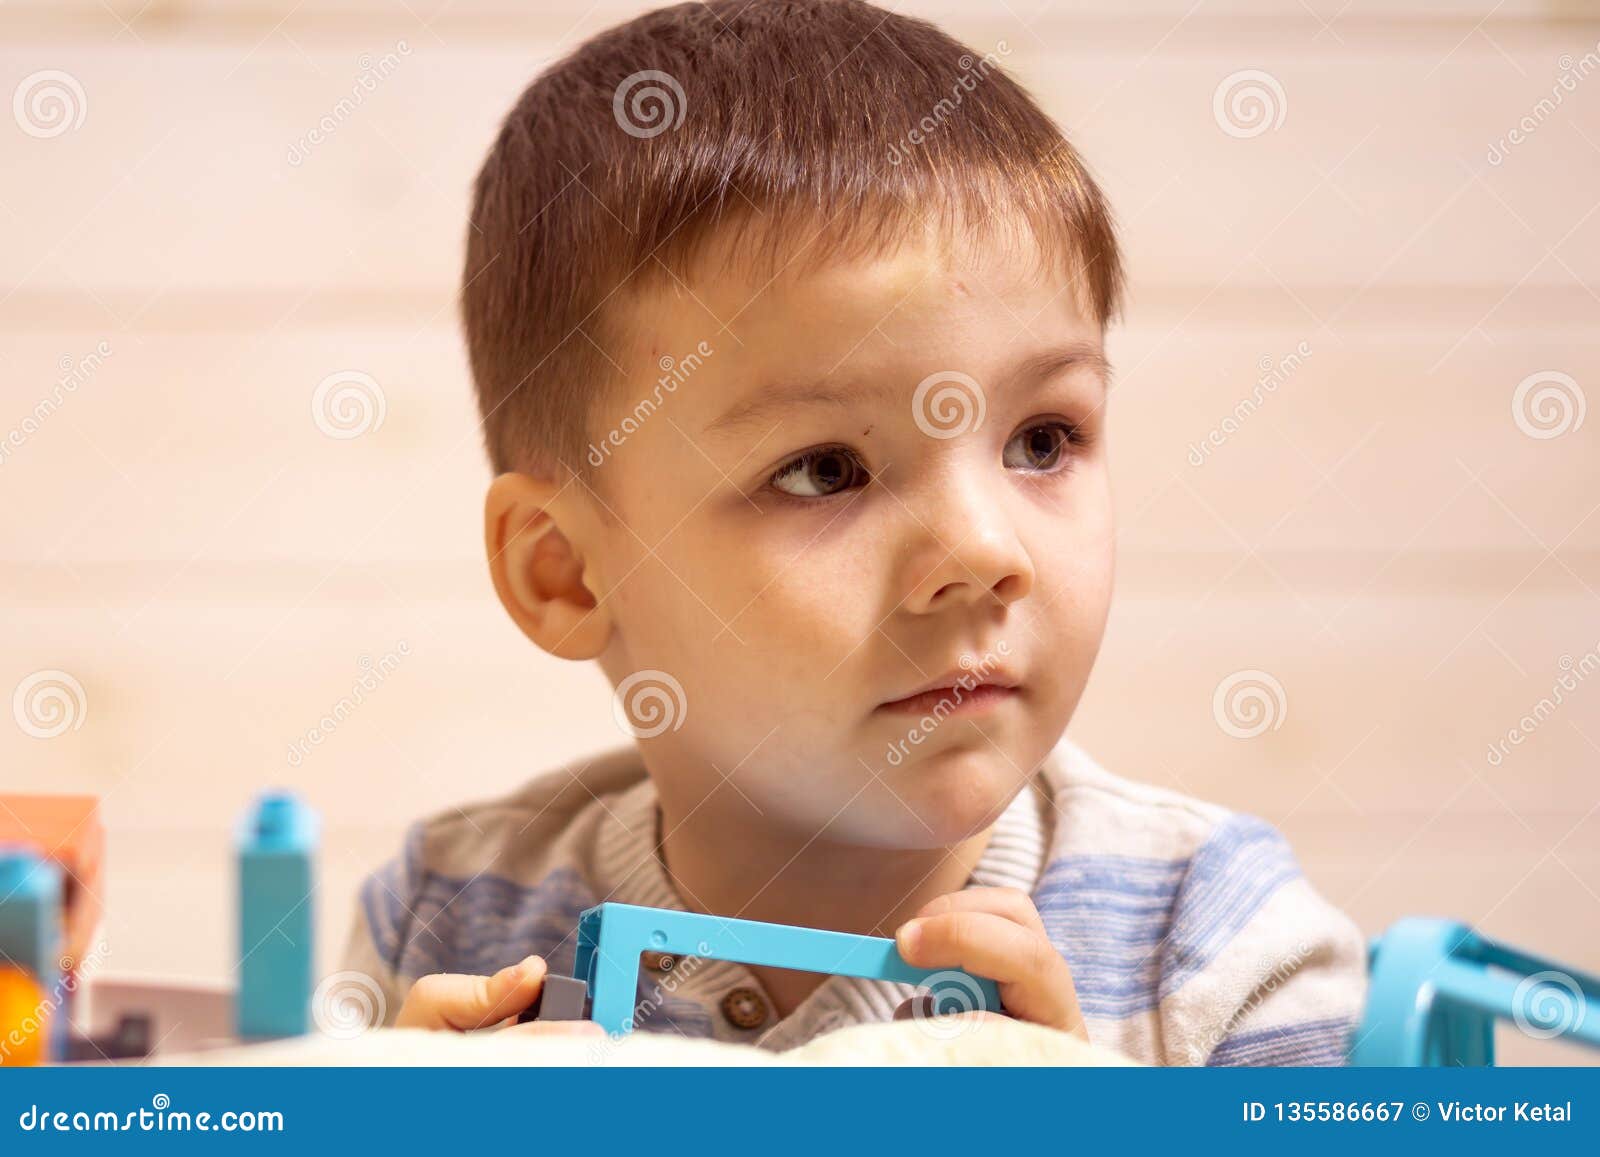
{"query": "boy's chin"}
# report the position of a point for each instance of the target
(935, 799)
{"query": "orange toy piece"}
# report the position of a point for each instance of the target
(24, 1018)
(67, 830)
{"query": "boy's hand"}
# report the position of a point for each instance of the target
(997, 933)
(450, 1000)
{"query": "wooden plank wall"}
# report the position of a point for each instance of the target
(1385, 535)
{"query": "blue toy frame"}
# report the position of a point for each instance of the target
(611, 937)
(1437, 987)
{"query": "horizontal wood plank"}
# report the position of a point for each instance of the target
(194, 169)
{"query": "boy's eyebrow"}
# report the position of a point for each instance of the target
(1090, 355)
(757, 410)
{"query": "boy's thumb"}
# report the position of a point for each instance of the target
(454, 1000)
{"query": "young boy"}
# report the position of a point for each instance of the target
(786, 321)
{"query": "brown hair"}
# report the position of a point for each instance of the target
(831, 120)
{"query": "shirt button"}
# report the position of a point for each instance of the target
(658, 961)
(744, 1008)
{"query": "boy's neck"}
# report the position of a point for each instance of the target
(730, 867)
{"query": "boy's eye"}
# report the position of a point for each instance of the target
(819, 473)
(834, 469)
(1038, 447)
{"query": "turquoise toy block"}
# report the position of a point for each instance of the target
(611, 937)
(1437, 987)
(30, 914)
(30, 929)
(277, 842)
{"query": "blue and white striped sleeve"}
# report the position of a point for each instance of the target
(1258, 968)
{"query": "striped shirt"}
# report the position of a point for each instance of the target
(1192, 935)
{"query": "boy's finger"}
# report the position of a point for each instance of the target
(453, 1000)
(1014, 905)
(1035, 981)
(981, 942)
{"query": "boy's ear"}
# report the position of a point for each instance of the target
(537, 571)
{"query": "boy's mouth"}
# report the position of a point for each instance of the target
(957, 693)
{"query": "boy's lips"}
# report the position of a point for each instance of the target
(960, 691)
(956, 700)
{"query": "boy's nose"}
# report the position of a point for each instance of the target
(965, 551)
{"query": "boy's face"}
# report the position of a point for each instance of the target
(885, 475)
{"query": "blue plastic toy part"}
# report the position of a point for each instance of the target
(277, 841)
(30, 929)
(611, 937)
(1437, 987)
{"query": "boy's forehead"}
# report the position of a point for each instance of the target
(915, 298)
